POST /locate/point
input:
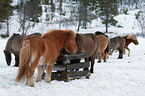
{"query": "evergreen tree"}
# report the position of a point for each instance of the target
(108, 9)
(85, 12)
(6, 10)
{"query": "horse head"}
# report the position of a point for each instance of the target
(70, 43)
(8, 57)
(133, 38)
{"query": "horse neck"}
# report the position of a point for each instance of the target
(128, 41)
(7, 48)
(59, 42)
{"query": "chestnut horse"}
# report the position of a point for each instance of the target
(129, 39)
(88, 43)
(103, 47)
(40, 50)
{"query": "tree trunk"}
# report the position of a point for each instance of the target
(79, 16)
(7, 28)
(60, 8)
(107, 14)
(23, 22)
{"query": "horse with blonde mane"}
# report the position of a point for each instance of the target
(40, 50)
(129, 39)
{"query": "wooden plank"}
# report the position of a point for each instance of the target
(78, 74)
(59, 67)
(77, 65)
(77, 56)
(59, 76)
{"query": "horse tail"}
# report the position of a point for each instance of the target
(24, 61)
(108, 47)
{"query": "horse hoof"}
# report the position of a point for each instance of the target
(99, 61)
(31, 85)
(91, 72)
(16, 66)
(47, 81)
(38, 80)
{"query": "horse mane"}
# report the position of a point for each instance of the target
(125, 36)
(57, 32)
(15, 34)
(130, 36)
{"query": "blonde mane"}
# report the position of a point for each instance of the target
(132, 37)
(57, 32)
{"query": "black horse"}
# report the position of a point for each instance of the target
(12, 47)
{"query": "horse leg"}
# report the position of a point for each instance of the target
(124, 51)
(16, 61)
(92, 65)
(102, 55)
(105, 59)
(120, 53)
(40, 72)
(30, 73)
(112, 52)
(128, 51)
(49, 70)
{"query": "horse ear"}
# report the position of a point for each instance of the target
(77, 34)
(128, 37)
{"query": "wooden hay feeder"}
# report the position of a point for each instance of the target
(66, 70)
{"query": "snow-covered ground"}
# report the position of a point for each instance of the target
(116, 77)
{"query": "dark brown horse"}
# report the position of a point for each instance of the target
(117, 43)
(12, 47)
(88, 43)
(38, 51)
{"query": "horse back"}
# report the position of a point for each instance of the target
(36, 44)
(117, 42)
(103, 43)
(87, 43)
(13, 43)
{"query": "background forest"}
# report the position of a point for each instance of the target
(26, 14)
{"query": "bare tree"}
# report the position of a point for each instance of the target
(28, 12)
(141, 21)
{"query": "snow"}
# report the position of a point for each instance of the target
(116, 77)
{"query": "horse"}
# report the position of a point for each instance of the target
(12, 47)
(129, 39)
(43, 50)
(104, 45)
(88, 43)
(117, 43)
